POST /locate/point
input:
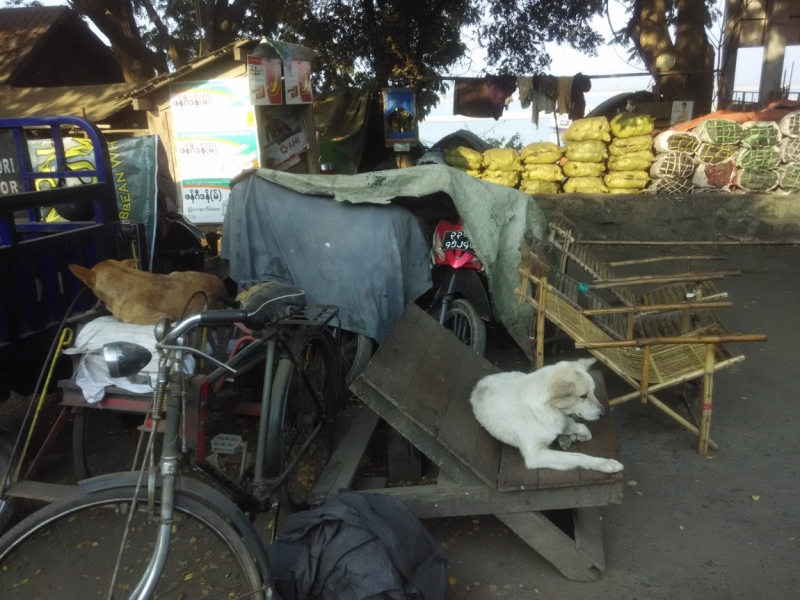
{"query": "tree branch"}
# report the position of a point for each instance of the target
(164, 34)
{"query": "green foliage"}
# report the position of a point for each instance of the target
(515, 142)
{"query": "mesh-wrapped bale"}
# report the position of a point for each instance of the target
(718, 176)
(673, 165)
(676, 141)
(759, 159)
(581, 130)
(790, 178)
(790, 124)
(624, 146)
(537, 186)
(670, 187)
(790, 150)
(585, 185)
(463, 157)
(753, 180)
(629, 180)
(502, 159)
(574, 168)
(635, 161)
(593, 151)
(541, 153)
(626, 125)
(713, 154)
(719, 131)
(760, 134)
(543, 172)
(506, 178)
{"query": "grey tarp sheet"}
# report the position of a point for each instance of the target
(355, 547)
(495, 219)
(369, 260)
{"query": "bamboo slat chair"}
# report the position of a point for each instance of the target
(681, 287)
(647, 364)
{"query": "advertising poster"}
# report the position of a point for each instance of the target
(298, 83)
(399, 116)
(215, 139)
(285, 137)
(264, 75)
(681, 112)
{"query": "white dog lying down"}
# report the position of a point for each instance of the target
(529, 411)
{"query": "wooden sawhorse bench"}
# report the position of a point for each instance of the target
(419, 382)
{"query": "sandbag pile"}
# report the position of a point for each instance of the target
(541, 173)
(586, 151)
(465, 159)
(502, 166)
(630, 153)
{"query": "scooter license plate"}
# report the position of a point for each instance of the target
(456, 240)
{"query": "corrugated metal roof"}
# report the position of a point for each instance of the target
(93, 102)
(21, 31)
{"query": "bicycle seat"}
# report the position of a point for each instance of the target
(269, 302)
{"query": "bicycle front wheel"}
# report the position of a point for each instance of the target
(69, 550)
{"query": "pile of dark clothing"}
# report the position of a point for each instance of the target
(355, 547)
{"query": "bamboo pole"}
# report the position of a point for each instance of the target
(679, 419)
(629, 332)
(705, 339)
(708, 388)
(655, 259)
(525, 280)
(648, 279)
(643, 384)
(647, 308)
(540, 323)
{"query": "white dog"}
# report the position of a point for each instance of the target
(529, 411)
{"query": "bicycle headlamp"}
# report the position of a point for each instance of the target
(125, 358)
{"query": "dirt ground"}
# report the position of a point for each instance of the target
(722, 527)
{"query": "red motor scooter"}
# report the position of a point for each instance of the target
(460, 301)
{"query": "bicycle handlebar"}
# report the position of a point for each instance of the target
(222, 317)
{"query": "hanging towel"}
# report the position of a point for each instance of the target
(483, 97)
(545, 92)
(564, 95)
(525, 87)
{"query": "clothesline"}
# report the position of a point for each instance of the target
(613, 76)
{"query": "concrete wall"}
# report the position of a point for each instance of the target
(694, 217)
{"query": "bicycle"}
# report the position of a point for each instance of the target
(120, 538)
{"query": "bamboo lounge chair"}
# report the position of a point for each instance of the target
(647, 364)
(682, 286)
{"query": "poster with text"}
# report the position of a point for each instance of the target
(285, 138)
(298, 83)
(681, 112)
(215, 139)
(264, 76)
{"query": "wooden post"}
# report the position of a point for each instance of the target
(708, 387)
(540, 321)
(644, 384)
(686, 322)
(526, 270)
(630, 325)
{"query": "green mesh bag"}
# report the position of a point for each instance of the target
(790, 150)
(672, 165)
(719, 131)
(753, 180)
(790, 124)
(760, 134)
(759, 159)
(670, 187)
(713, 154)
(790, 178)
(676, 141)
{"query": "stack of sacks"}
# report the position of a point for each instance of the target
(466, 159)
(674, 164)
(541, 174)
(631, 153)
(502, 166)
(719, 139)
(586, 153)
(789, 178)
(760, 157)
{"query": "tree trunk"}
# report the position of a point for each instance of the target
(222, 22)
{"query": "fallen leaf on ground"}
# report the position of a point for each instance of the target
(755, 498)
(452, 580)
(638, 493)
(632, 482)
(188, 576)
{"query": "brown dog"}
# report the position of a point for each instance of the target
(142, 298)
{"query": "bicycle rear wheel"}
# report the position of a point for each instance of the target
(295, 415)
(69, 549)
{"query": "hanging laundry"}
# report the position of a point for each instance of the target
(543, 98)
(483, 97)
(564, 95)
(525, 87)
(580, 85)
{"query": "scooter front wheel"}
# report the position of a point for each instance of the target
(464, 321)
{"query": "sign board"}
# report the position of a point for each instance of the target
(400, 116)
(681, 112)
(298, 83)
(10, 177)
(226, 443)
(285, 137)
(215, 139)
(264, 77)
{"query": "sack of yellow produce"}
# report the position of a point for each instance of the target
(623, 146)
(584, 185)
(630, 180)
(624, 191)
(573, 168)
(502, 159)
(537, 186)
(541, 153)
(638, 161)
(471, 172)
(506, 178)
(594, 128)
(543, 172)
(592, 151)
(463, 157)
(626, 125)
